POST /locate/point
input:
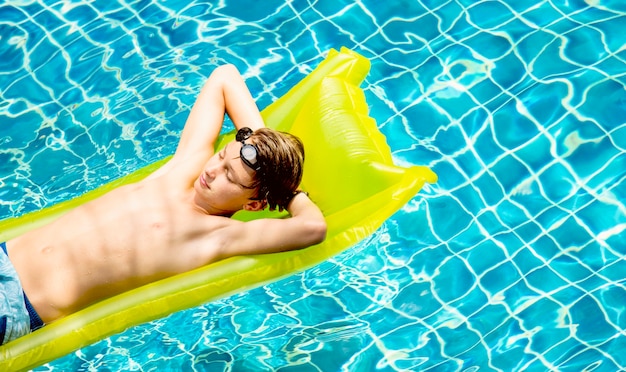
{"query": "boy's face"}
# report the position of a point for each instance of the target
(224, 185)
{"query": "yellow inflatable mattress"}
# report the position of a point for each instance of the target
(348, 172)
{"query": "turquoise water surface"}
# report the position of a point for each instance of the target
(515, 260)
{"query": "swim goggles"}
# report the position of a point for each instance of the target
(248, 152)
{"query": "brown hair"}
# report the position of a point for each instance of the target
(281, 156)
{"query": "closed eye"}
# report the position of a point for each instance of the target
(229, 172)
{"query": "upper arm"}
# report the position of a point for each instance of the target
(306, 227)
(205, 118)
(271, 236)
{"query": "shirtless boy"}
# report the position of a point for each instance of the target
(173, 221)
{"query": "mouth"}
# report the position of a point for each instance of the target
(203, 181)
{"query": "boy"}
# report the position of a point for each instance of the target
(173, 221)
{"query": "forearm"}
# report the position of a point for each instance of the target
(238, 101)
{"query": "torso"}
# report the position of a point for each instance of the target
(95, 251)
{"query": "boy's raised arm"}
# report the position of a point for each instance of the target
(224, 92)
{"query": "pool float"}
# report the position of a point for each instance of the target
(349, 173)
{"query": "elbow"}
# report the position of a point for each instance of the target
(317, 231)
(226, 72)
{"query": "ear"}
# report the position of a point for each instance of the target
(255, 205)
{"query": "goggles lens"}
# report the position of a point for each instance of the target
(248, 152)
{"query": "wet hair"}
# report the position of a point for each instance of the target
(281, 157)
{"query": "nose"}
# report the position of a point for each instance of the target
(211, 172)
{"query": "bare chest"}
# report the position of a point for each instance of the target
(131, 236)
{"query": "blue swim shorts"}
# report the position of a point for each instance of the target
(17, 316)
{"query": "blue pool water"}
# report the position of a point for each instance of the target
(514, 260)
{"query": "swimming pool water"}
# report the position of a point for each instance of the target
(514, 260)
